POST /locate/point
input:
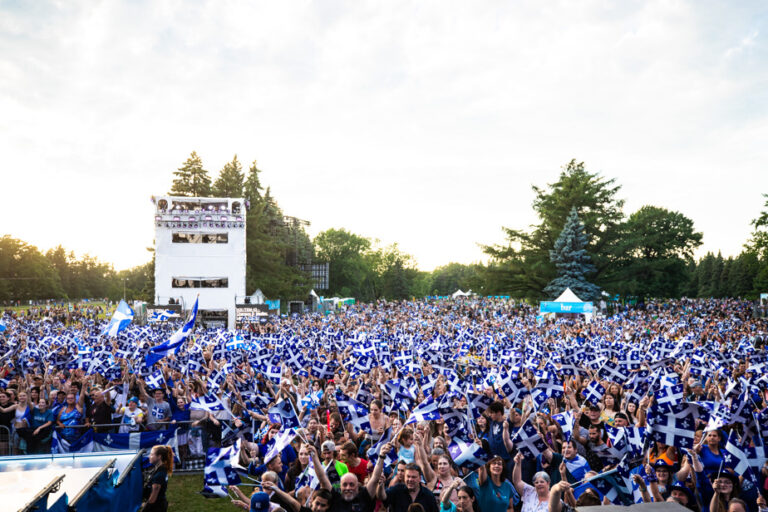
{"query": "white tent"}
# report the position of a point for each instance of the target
(258, 297)
(459, 293)
(567, 302)
(568, 296)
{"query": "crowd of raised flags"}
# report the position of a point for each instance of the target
(637, 394)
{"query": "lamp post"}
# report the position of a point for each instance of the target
(124, 280)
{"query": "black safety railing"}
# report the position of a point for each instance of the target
(5, 441)
(164, 424)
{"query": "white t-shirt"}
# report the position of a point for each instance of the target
(129, 419)
(531, 501)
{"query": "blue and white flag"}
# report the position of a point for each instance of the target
(373, 452)
(284, 414)
(281, 440)
(320, 370)
(121, 318)
(160, 316)
(425, 411)
(93, 442)
(528, 441)
(610, 485)
(593, 393)
(467, 454)
(478, 403)
(272, 372)
(353, 412)
(565, 420)
(156, 380)
(674, 431)
(221, 469)
(210, 403)
(668, 397)
(307, 478)
(175, 342)
(612, 372)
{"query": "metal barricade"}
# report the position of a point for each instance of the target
(182, 453)
(5, 441)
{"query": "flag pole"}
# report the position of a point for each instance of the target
(299, 430)
(589, 479)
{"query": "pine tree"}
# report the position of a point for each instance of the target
(706, 266)
(725, 288)
(717, 272)
(191, 179)
(572, 261)
(230, 180)
(252, 187)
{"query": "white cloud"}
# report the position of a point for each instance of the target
(422, 123)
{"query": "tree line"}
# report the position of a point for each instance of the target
(648, 253)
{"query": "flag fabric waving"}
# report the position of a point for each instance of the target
(173, 344)
(122, 316)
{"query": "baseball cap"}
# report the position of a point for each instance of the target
(328, 446)
(260, 502)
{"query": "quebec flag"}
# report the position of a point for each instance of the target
(178, 338)
(92, 442)
(160, 316)
(122, 316)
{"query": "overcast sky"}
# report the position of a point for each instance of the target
(422, 123)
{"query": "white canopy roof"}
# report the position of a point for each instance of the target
(568, 296)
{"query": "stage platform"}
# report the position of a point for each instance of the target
(94, 482)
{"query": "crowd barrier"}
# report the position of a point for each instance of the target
(5, 441)
(10, 442)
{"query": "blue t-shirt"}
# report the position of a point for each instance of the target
(710, 461)
(492, 498)
(40, 418)
(496, 439)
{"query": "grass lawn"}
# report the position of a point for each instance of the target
(183, 495)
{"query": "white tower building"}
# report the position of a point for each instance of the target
(200, 249)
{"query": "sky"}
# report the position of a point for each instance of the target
(423, 123)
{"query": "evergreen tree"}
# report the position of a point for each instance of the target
(572, 262)
(724, 287)
(692, 288)
(192, 180)
(750, 266)
(268, 244)
(717, 271)
(252, 187)
(522, 265)
(706, 267)
(230, 180)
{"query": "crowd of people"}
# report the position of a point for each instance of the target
(470, 405)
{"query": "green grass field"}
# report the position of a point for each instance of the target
(184, 496)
